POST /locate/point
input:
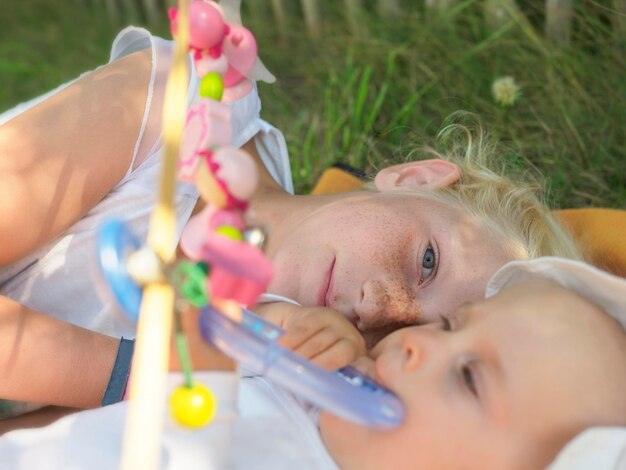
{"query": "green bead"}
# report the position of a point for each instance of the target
(203, 266)
(190, 281)
(212, 86)
(230, 232)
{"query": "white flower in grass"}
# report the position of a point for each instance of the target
(505, 91)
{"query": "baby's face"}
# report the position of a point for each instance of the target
(517, 376)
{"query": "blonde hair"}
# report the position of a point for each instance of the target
(511, 206)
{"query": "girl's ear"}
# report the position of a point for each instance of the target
(425, 174)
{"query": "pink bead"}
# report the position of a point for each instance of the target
(199, 227)
(240, 49)
(239, 258)
(208, 125)
(206, 25)
(238, 91)
(172, 13)
(232, 77)
(195, 232)
(238, 171)
(226, 217)
(224, 285)
(212, 190)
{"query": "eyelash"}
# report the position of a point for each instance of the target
(433, 270)
(468, 379)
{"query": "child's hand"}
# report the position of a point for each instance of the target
(322, 335)
(366, 366)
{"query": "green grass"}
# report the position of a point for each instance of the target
(366, 98)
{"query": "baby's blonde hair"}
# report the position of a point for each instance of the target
(511, 206)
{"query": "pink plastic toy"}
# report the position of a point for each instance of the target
(217, 46)
(239, 271)
(206, 25)
(201, 225)
(241, 51)
(208, 125)
(237, 172)
(226, 178)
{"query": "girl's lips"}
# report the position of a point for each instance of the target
(324, 295)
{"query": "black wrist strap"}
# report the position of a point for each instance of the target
(119, 375)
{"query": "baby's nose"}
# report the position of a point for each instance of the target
(418, 343)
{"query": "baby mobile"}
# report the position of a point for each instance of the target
(226, 266)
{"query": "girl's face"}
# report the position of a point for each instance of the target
(516, 377)
(383, 259)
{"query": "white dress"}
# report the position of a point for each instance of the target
(263, 428)
(61, 279)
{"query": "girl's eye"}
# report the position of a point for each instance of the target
(468, 379)
(429, 264)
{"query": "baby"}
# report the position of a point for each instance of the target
(503, 383)
(506, 382)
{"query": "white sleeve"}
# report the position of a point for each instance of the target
(268, 297)
(270, 142)
(245, 112)
(272, 148)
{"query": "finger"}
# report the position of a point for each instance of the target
(317, 343)
(365, 365)
(274, 312)
(298, 334)
(338, 355)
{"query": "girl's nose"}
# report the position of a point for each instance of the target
(387, 303)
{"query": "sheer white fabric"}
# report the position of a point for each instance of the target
(270, 430)
(61, 279)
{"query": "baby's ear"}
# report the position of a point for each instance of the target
(425, 174)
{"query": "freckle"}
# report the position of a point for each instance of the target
(396, 305)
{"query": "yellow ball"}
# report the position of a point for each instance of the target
(193, 407)
(212, 86)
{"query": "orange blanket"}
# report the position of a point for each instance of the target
(600, 234)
